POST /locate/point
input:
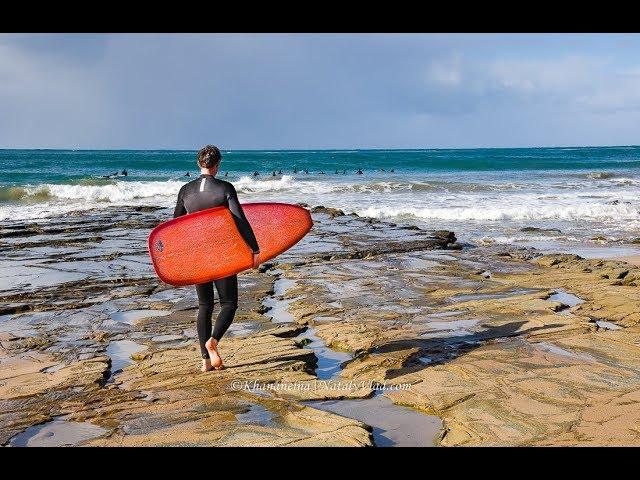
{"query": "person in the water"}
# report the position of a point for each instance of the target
(279, 171)
(204, 192)
(187, 174)
(273, 174)
(124, 172)
(255, 174)
(226, 174)
(295, 169)
(359, 172)
(306, 171)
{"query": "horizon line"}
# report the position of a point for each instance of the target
(310, 149)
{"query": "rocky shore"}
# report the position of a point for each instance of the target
(473, 346)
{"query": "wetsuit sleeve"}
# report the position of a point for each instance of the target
(241, 221)
(180, 210)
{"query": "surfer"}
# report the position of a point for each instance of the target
(279, 171)
(226, 174)
(295, 169)
(187, 174)
(359, 172)
(273, 174)
(124, 172)
(255, 174)
(204, 192)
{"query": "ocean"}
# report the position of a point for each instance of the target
(487, 196)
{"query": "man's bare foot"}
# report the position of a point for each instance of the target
(206, 365)
(212, 348)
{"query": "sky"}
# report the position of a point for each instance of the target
(315, 91)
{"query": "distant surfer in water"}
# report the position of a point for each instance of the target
(255, 174)
(359, 172)
(124, 172)
(204, 192)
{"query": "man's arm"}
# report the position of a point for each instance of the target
(180, 210)
(241, 221)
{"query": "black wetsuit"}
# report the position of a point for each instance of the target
(207, 192)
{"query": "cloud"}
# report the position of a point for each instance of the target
(315, 91)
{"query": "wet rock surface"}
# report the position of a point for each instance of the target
(490, 346)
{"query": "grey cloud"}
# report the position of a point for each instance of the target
(316, 91)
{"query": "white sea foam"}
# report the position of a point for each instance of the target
(115, 192)
(464, 203)
(497, 212)
(63, 198)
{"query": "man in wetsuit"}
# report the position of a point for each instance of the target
(204, 192)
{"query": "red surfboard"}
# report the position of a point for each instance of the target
(206, 245)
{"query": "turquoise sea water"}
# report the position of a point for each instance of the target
(58, 166)
(486, 194)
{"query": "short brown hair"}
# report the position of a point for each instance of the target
(209, 156)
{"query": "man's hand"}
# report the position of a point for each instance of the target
(256, 260)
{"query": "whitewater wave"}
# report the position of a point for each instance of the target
(110, 192)
(104, 190)
(293, 184)
(600, 212)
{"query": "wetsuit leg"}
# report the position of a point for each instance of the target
(228, 295)
(205, 310)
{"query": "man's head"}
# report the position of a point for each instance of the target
(209, 157)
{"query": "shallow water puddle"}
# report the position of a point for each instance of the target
(465, 297)
(131, 316)
(36, 277)
(279, 309)
(120, 353)
(607, 325)
(57, 433)
(414, 263)
(551, 348)
(329, 360)
(241, 329)
(449, 329)
(399, 309)
(257, 415)
(393, 425)
(566, 298)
